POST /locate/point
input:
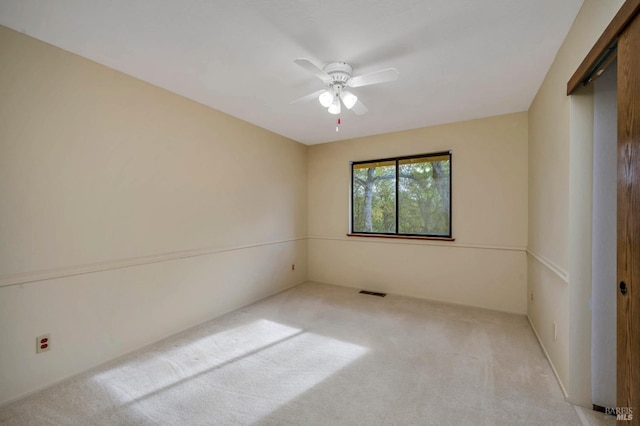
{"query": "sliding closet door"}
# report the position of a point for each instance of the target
(604, 239)
(628, 269)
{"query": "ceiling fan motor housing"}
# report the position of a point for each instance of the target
(340, 72)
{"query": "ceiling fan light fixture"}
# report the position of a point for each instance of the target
(348, 98)
(334, 108)
(338, 76)
(326, 98)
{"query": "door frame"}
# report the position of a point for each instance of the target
(621, 38)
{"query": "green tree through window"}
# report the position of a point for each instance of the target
(403, 196)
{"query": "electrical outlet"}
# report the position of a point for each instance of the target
(293, 266)
(532, 296)
(43, 343)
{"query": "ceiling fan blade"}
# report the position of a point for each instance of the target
(308, 97)
(376, 77)
(359, 108)
(313, 69)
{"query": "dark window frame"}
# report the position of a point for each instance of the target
(397, 234)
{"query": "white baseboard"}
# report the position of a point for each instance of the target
(546, 354)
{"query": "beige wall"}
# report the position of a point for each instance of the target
(129, 213)
(485, 266)
(560, 143)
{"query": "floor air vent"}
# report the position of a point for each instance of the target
(373, 293)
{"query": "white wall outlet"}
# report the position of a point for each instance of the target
(43, 343)
(532, 296)
(555, 331)
(293, 266)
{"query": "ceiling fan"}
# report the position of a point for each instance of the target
(337, 76)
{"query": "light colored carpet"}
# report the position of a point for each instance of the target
(326, 355)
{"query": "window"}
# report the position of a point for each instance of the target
(408, 196)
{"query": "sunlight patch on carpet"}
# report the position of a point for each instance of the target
(161, 367)
(237, 375)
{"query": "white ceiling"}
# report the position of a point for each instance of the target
(458, 59)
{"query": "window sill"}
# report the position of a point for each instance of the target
(401, 237)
